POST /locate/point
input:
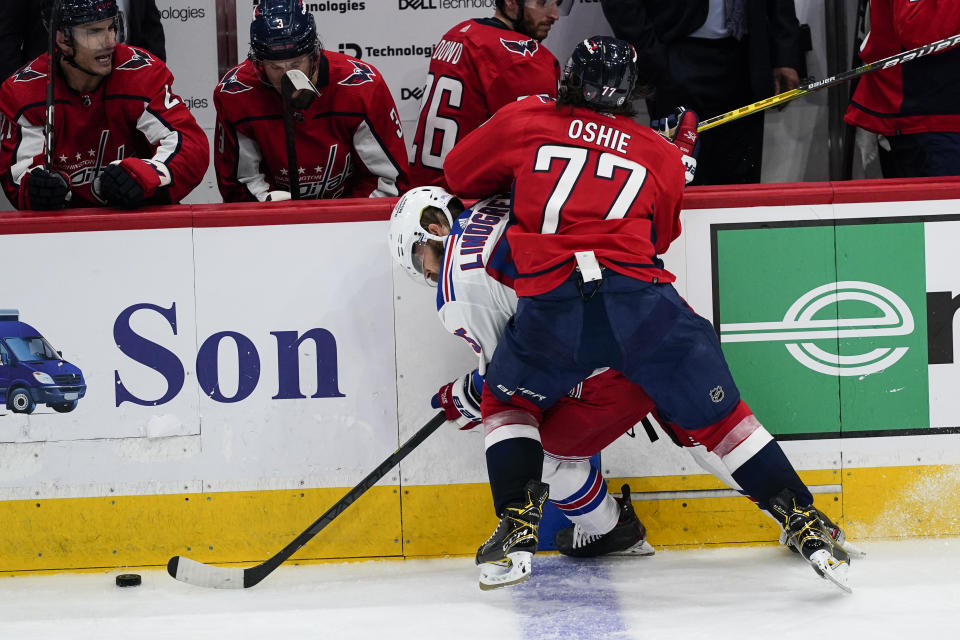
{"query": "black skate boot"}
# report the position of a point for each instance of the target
(839, 538)
(628, 536)
(506, 557)
(842, 549)
(806, 533)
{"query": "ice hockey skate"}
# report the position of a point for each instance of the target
(843, 549)
(506, 558)
(628, 536)
(805, 533)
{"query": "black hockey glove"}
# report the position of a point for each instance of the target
(44, 190)
(130, 182)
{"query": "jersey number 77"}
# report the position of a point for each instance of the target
(574, 161)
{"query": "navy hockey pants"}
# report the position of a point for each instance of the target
(644, 330)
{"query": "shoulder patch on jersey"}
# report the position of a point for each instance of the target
(230, 84)
(27, 74)
(362, 73)
(139, 60)
(520, 47)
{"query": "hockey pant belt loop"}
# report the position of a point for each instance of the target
(588, 270)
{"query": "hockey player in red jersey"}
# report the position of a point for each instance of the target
(914, 107)
(121, 135)
(463, 253)
(349, 142)
(466, 256)
(477, 67)
(596, 200)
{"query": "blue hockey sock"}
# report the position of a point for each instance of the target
(768, 472)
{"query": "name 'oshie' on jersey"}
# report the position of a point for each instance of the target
(591, 187)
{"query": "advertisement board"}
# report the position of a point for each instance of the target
(242, 366)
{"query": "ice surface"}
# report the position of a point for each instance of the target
(908, 589)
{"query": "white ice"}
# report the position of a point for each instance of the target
(902, 590)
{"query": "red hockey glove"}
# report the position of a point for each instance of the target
(129, 182)
(680, 128)
(43, 190)
(460, 401)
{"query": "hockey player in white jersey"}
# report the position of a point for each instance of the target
(466, 256)
(475, 307)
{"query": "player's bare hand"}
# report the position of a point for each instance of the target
(785, 79)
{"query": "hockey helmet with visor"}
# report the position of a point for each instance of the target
(76, 13)
(409, 235)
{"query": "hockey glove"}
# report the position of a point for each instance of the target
(680, 128)
(130, 182)
(44, 190)
(460, 401)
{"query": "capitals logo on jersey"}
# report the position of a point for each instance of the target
(139, 60)
(230, 84)
(520, 47)
(27, 74)
(362, 74)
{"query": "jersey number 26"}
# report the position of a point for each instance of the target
(439, 92)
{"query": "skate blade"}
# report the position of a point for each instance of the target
(642, 549)
(514, 570)
(829, 568)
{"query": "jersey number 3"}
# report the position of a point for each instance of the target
(574, 160)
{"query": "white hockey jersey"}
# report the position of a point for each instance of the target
(475, 298)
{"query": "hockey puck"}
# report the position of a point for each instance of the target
(128, 580)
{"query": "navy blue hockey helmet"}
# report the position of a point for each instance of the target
(74, 13)
(282, 29)
(603, 71)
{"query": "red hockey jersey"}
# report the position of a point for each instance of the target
(581, 181)
(478, 66)
(349, 140)
(133, 113)
(922, 95)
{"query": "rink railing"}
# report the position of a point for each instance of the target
(246, 363)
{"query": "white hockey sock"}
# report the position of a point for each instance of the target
(579, 491)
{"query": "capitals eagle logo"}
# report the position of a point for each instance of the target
(139, 60)
(362, 73)
(230, 84)
(27, 74)
(520, 47)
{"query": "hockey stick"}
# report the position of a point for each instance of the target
(810, 87)
(293, 167)
(204, 575)
(292, 82)
(52, 74)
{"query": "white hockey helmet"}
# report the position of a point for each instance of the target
(408, 229)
